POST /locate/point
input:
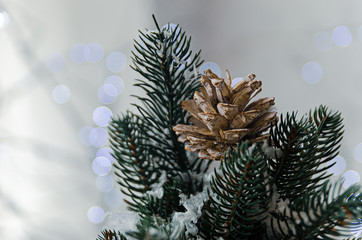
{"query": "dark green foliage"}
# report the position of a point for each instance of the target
(145, 146)
(111, 235)
(279, 190)
(136, 157)
(242, 196)
(164, 59)
(308, 146)
(167, 204)
(325, 213)
(286, 195)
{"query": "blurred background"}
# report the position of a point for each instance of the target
(65, 71)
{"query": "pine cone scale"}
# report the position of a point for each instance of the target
(214, 121)
(227, 110)
(203, 104)
(222, 116)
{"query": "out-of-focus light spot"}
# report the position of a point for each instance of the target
(212, 66)
(102, 116)
(115, 81)
(77, 53)
(95, 214)
(322, 41)
(83, 135)
(358, 153)
(61, 94)
(116, 61)
(169, 26)
(98, 137)
(93, 52)
(113, 198)
(104, 183)
(107, 93)
(105, 152)
(235, 81)
(350, 177)
(342, 37)
(312, 72)
(101, 166)
(4, 19)
(339, 167)
(55, 63)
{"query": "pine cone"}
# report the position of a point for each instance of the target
(222, 116)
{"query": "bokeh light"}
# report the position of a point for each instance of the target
(116, 62)
(312, 72)
(115, 81)
(95, 214)
(322, 41)
(105, 152)
(61, 94)
(350, 177)
(55, 63)
(235, 81)
(113, 198)
(102, 116)
(101, 166)
(77, 53)
(98, 137)
(104, 183)
(83, 135)
(107, 93)
(339, 167)
(212, 66)
(93, 52)
(357, 153)
(169, 26)
(4, 19)
(342, 37)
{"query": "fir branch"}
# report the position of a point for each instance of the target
(306, 145)
(242, 194)
(163, 59)
(111, 235)
(165, 205)
(323, 214)
(136, 157)
(145, 145)
(330, 133)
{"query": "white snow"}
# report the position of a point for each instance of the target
(157, 188)
(124, 221)
(277, 205)
(156, 233)
(193, 206)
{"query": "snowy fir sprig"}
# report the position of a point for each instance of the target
(276, 189)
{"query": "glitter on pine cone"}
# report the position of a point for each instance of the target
(222, 116)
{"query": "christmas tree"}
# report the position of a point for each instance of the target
(271, 181)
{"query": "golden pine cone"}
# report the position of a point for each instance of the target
(222, 116)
